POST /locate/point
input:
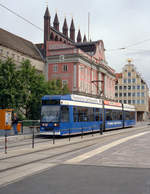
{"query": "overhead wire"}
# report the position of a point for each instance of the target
(21, 17)
(107, 50)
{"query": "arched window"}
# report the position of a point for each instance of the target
(56, 38)
(52, 36)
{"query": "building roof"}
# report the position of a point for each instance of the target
(19, 44)
(88, 47)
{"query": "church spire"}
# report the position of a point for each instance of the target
(72, 31)
(56, 22)
(46, 27)
(84, 39)
(47, 15)
(79, 38)
(65, 28)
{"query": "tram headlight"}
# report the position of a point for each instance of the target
(56, 124)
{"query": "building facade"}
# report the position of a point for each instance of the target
(77, 62)
(130, 88)
(19, 49)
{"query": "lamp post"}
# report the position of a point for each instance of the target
(100, 92)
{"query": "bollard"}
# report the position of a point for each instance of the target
(82, 134)
(101, 130)
(5, 142)
(92, 131)
(33, 137)
(53, 136)
(69, 134)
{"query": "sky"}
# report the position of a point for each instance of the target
(119, 23)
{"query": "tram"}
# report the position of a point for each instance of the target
(74, 114)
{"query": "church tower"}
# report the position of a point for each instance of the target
(72, 31)
(46, 27)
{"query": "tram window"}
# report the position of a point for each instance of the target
(91, 114)
(127, 115)
(97, 114)
(75, 114)
(50, 102)
(108, 115)
(64, 114)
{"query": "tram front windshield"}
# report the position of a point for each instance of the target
(50, 113)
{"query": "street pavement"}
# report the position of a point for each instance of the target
(117, 162)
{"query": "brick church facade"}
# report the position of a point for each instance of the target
(78, 63)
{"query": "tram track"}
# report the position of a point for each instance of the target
(45, 158)
(103, 138)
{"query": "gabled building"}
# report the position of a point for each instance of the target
(77, 62)
(130, 88)
(19, 49)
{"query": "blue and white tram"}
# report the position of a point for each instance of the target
(75, 114)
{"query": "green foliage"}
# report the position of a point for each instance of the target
(22, 88)
(8, 84)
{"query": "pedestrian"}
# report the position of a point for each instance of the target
(14, 123)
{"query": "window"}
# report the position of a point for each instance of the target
(120, 94)
(142, 101)
(116, 94)
(138, 87)
(129, 87)
(138, 93)
(84, 114)
(120, 101)
(133, 94)
(142, 94)
(133, 80)
(125, 94)
(133, 87)
(129, 80)
(133, 101)
(129, 74)
(143, 87)
(55, 68)
(138, 101)
(116, 87)
(125, 87)
(129, 101)
(64, 82)
(125, 101)
(61, 58)
(120, 87)
(64, 114)
(125, 81)
(129, 94)
(65, 68)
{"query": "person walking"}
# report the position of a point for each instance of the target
(14, 123)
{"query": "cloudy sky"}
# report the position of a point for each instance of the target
(119, 23)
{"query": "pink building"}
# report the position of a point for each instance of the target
(80, 65)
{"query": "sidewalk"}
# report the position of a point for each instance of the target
(60, 142)
(27, 134)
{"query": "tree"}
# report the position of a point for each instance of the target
(22, 88)
(33, 88)
(8, 84)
